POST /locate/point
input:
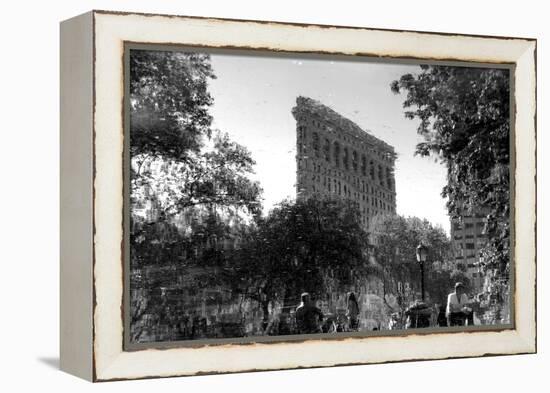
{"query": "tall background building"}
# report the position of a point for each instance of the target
(468, 238)
(336, 158)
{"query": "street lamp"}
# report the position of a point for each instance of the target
(421, 254)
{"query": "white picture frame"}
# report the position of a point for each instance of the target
(92, 147)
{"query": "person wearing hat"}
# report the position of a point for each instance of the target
(458, 312)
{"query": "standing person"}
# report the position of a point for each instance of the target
(457, 310)
(353, 312)
(308, 316)
(434, 315)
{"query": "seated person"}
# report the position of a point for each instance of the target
(458, 312)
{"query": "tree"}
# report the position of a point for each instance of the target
(190, 185)
(298, 247)
(184, 174)
(169, 103)
(218, 178)
(464, 116)
(176, 156)
(397, 239)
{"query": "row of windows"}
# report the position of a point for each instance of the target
(336, 187)
(471, 245)
(358, 183)
(459, 236)
(302, 134)
(341, 159)
(469, 225)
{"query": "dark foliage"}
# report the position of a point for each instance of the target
(169, 102)
(190, 185)
(398, 238)
(298, 245)
(464, 116)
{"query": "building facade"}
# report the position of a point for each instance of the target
(468, 238)
(336, 158)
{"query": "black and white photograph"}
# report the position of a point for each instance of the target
(281, 195)
(259, 196)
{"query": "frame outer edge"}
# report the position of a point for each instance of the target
(112, 370)
(76, 196)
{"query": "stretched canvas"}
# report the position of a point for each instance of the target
(345, 195)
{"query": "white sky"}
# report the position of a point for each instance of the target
(253, 98)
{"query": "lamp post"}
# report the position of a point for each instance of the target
(421, 254)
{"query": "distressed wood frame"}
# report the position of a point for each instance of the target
(92, 140)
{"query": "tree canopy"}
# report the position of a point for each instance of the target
(177, 158)
(191, 187)
(464, 118)
(189, 182)
(299, 245)
(169, 102)
(397, 239)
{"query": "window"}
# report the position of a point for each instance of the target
(315, 144)
(469, 225)
(327, 150)
(371, 170)
(380, 175)
(336, 154)
(354, 160)
(470, 246)
(363, 165)
(301, 146)
(346, 159)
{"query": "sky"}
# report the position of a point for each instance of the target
(253, 98)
